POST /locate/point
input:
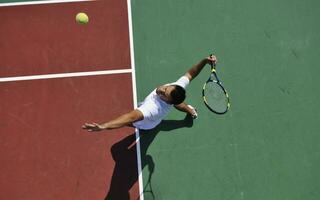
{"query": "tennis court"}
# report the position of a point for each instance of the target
(56, 74)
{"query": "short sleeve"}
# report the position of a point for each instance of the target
(146, 110)
(183, 82)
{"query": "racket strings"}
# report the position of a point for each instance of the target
(215, 97)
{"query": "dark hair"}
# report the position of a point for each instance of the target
(178, 95)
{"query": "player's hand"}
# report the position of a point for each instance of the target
(193, 112)
(92, 127)
(212, 60)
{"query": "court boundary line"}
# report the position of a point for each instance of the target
(64, 75)
(135, 99)
(26, 3)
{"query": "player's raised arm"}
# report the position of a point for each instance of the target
(196, 69)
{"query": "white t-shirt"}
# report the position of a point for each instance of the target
(154, 109)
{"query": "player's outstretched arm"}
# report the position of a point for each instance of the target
(196, 69)
(121, 121)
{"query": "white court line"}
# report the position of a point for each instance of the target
(39, 2)
(64, 75)
(134, 90)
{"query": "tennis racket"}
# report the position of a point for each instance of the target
(214, 95)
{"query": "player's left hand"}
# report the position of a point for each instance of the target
(212, 59)
(193, 112)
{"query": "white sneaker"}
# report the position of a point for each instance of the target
(194, 115)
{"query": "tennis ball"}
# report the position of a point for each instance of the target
(82, 18)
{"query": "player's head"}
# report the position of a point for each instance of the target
(172, 94)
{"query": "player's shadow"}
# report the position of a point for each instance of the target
(125, 173)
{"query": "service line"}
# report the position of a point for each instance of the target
(64, 75)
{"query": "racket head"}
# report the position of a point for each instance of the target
(215, 97)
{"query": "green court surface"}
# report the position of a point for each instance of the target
(267, 146)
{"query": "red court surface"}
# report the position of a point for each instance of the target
(42, 39)
(44, 152)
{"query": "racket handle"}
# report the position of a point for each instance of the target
(213, 64)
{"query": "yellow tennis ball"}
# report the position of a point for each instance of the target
(82, 18)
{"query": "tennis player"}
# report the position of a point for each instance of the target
(157, 104)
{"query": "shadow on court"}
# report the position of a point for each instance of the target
(124, 154)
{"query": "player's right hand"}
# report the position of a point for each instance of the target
(92, 127)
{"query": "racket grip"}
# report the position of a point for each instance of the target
(213, 64)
